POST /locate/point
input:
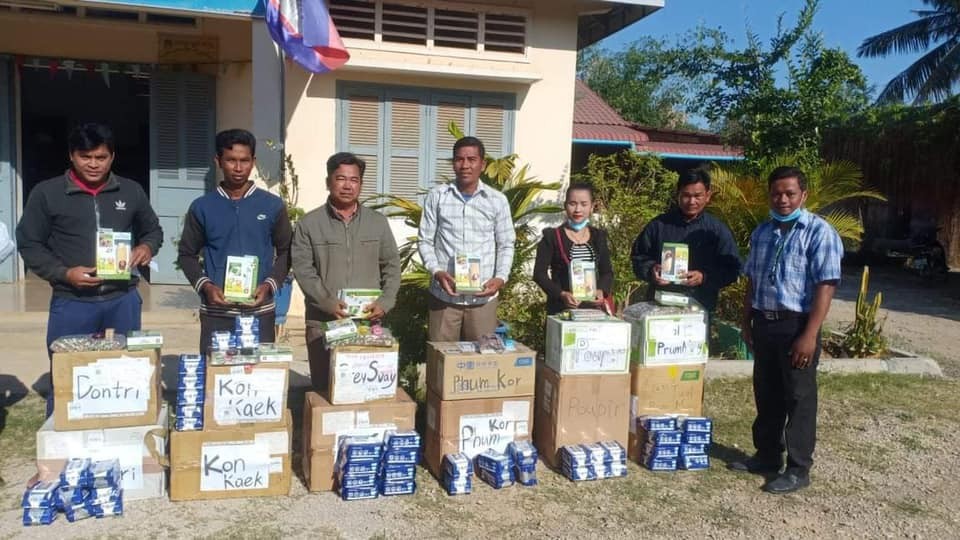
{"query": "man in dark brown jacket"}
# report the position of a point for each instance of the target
(342, 245)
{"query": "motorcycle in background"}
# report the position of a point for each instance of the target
(923, 255)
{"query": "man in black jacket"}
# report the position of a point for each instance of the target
(714, 260)
(59, 233)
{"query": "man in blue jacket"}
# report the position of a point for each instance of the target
(237, 219)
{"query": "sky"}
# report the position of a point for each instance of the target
(843, 23)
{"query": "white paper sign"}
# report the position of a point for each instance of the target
(111, 387)
(228, 467)
(479, 432)
(675, 339)
(257, 396)
(596, 347)
(335, 422)
(365, 376)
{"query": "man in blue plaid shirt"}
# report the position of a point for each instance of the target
(793, 270)
(470, 221)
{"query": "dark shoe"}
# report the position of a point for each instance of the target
(755, 465)
(787, 482)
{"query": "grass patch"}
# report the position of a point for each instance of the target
(18, 434)
(909, 508)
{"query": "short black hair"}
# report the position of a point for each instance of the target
(579, 186)
(698, 175)
(345, 158)
(464, 142)
(86, 137)
(229, 137)
(788, 172)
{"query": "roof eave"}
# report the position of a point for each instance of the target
(592, 27)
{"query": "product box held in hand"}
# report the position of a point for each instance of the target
(245, 394)
(101, 389)
(454, 373)
(575, 409)
(141, 451)
(466, 274)
(243, 461)
(470, 426)
(113, 254)
(674, 261)
(588, 346)
(359, 374)
(357, 299)
(583, 280)
(240, 281)
(325, 425)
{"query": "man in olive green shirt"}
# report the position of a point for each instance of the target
(342, 245)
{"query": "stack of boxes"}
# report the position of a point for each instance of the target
(108, 406)
(495, 468)
(583, 388)
(358, 467)
(457, 474)
(476, 399)
(84, 489)
(524, 456)
(594, 461)
(398, 472)
(669, 355)
(363, 401)
(191, 382)
(242, 446)
(668, 443)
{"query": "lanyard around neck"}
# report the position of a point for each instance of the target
(778, 254)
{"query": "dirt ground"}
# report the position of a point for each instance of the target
(921, 317)
(886, 467)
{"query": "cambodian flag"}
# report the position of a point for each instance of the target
(305, 31)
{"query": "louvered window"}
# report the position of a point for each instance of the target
(437, 26)
(402, 133)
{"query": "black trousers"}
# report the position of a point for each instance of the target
(786, 397)
(210, 324)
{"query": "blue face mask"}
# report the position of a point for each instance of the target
(789, 217)
(577, 227)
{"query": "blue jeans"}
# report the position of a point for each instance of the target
(68, 317)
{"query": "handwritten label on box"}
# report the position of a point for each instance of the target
(242, 397)
(228, 467)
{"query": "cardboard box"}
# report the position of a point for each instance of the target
(674, 389)
(474, 425)
(245, 461)
(453, 374)
(141, 450)
(324, 424)
(105, 389)
(578, 409)
(584, 347)
(245, 394)
(360, 374)
(659, 340)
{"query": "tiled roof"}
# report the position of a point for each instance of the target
(595, 120)
(589, 108)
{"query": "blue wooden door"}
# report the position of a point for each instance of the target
(8, 269)
(182, 131)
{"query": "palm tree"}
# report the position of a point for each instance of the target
(932, 77)
(740, 198)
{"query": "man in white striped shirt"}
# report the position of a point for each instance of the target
(473, 222)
